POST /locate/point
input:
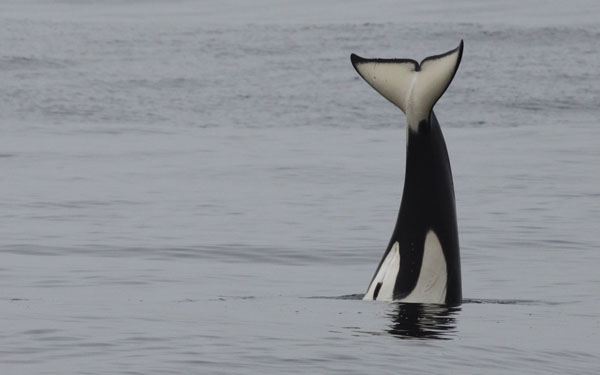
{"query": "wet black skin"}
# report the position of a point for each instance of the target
(427, 204)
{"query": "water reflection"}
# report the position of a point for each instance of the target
(423, 321)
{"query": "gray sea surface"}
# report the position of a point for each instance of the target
(208, 187)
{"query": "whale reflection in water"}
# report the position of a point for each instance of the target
(423, 321)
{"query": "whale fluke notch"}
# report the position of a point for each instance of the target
(413, 87)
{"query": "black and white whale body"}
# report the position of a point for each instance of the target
(422, 262)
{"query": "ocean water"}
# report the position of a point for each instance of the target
(208, 187)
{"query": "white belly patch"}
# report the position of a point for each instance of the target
(433, 278)
(432, 283)
(385, 280)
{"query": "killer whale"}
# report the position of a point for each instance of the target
(421, 263)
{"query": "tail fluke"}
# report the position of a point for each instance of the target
(412, 87)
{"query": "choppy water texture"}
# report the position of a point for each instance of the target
(186, 186)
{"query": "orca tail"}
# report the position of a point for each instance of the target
(413, 87)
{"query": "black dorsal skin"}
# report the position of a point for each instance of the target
(427, 204)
